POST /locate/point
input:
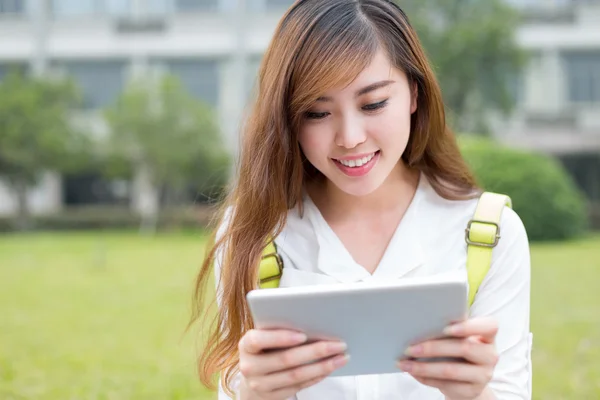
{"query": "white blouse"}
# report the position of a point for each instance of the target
(428, 241)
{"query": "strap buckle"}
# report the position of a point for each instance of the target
(279, 267)
(479, 243)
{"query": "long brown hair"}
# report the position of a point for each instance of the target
(318, 45)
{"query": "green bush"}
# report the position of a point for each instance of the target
(543, 194)
(114, 218)
(595, 216)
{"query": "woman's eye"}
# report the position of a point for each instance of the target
(368, 107)
(316, 115)
(375, 106)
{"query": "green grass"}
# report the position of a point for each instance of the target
(566, 320)
(97, 317)
(101, 316)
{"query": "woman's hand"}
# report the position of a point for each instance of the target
(276, 364)
(471, 340)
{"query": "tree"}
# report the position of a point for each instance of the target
(472, 46)
(36, 134)
(164, 134)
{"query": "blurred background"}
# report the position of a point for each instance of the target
(119, 131)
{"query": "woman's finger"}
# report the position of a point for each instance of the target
(472, 351)
(256, 341)
(290, 358)
(298, 376)
(485, 327)
(461, 372)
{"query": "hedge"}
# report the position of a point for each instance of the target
(110, 217)
(543, 193)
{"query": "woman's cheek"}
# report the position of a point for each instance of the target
(314, 144)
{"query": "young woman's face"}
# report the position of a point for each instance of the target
(356, 135)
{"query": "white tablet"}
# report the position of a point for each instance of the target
(377, 321)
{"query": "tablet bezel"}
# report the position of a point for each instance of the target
(321, 311)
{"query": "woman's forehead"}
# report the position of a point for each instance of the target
(380, 69)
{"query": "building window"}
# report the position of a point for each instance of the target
(119, 7)
(199, 77)
(279, 3)
(71, 8)
(155, 7)
(12, 6)
(583, 76)
(196, 5)
(78, 8)
(93, 189)
(100, 82)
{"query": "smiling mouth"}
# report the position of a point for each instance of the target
(357, 162)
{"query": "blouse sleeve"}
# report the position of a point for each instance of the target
(505, 295)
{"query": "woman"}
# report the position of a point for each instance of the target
(348, 164)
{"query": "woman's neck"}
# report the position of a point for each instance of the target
(395, 192)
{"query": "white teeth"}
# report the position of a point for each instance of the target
(357, 163)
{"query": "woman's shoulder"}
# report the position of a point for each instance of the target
(296, 226)
(299, 232)
(456, 214)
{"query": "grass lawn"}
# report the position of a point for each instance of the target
(97, 317)
(101, 316)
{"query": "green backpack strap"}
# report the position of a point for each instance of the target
(482, 235)
(271, 267)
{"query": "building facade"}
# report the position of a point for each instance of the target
(559, 101)
(215, 46)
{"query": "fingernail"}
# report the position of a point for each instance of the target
(341, 360)
(414, 350)
(338, 347)
(405, 366)
(299, 337)
(452, 330)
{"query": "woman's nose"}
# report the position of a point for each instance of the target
(350, 133)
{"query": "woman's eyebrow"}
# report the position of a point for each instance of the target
(363, 91)
(373, 86)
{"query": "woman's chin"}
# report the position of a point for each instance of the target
(359, 188)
